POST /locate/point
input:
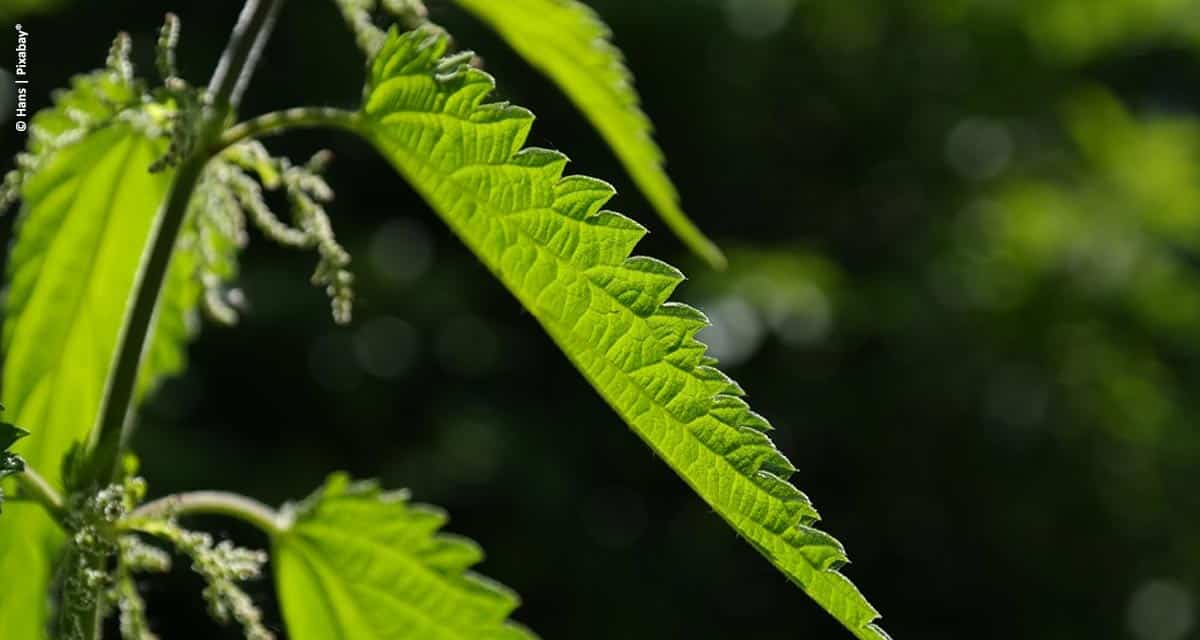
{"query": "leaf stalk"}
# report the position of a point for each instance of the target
(219, 503)
(298, 118)
(40, 491)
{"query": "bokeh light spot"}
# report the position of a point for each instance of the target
(401, 251)
(386, 347)
(1161, 610)
(736, 331)
(756, 19)
(978, 148)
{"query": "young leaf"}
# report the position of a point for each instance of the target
(10, 463)
(359, 563)
(568, 42)
(9, 434)
(86, 214)
(568, 262)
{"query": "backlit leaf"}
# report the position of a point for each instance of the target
(360, 564)
(568, 262)
(569, 43)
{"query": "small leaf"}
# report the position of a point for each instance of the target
(568, 42)
(9, 434)
(10, 463)
(363, 564)
(568, 262)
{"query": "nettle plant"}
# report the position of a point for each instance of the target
(135, 200)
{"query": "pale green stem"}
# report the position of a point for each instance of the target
(298, 118)
(38, 489)
(219, 503)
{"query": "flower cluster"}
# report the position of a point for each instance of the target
(91, 584)
(222, 566)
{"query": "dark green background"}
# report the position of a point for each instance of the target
(947, 292)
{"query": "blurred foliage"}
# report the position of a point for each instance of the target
(1072, 31)
(13, 10)
(1109, 232)
(963, 287)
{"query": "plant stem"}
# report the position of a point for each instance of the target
(37, 488)
(213, 503)
(241, 55)
(225, 91)
(229, 82)
(280, 121)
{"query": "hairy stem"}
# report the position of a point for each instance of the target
(212, 503)
(298, 118)
(241, 55)
(228, 83)
(225, 90)
(40, 491)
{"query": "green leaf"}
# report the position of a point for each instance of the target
(10, 463)
(568, 42)
(29, 539)
(87, 213)
(568, 262)
(85, 218)
(29, 561)
(362, 564)
(9, 434)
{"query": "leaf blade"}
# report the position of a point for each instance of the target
(568, 42)
(545, 237)
(85, 216)
(359, 563)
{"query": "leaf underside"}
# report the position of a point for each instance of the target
(360, 564)
(571, 45)
(85, 217)
(545, 237)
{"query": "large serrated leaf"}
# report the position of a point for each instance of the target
(85, 219)
(359, 564)
(546, 238)
(568, 42)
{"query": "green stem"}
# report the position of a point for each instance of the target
(212, 503)
(229, 82)
(298, 118)
(225, 90)
(40, 491)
